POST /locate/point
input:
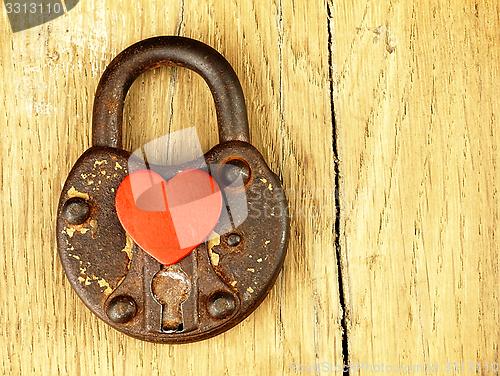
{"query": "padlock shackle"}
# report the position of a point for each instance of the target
(161, 51)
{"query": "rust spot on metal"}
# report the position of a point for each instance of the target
(71, 229)
(214, 258)
(103, 283)
(74, 193)
(93, 225)
(214, 241)
(128, 249)
(98, 163)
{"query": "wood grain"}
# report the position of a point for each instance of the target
(417, 112)
(414, 93)
(50, 73)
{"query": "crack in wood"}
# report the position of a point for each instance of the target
(336, 229)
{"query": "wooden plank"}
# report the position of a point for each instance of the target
(417, 110)
(279, 51)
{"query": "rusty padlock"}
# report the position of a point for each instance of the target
(223, 279)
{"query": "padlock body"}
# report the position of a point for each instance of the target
(223, 280)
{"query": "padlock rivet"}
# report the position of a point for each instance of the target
(76, 211)
(221, 305)
(233, 169)
(121, 309)
(233, 240)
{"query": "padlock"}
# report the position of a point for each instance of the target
(225, 278)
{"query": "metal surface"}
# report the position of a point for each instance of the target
(160, 51)
(225, 278)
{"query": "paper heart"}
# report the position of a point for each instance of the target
(168, 219)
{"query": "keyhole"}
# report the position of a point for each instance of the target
(171, 287)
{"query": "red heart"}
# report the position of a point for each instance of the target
(168, 220)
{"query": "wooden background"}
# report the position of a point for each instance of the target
(394, 102)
